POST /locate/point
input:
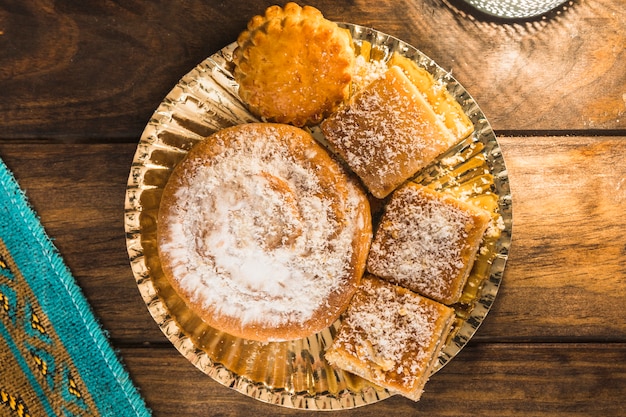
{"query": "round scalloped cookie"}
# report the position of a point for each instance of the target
(293, 65)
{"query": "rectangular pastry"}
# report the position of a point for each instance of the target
(391, 337)
(436, 93)
(387, 132)
(427, 242)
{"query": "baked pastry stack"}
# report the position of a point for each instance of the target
(422, 253)
(427, 241)
(391, 336)
(267, 237)
(442, 102)
(387, 133)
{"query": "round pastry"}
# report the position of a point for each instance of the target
(293, 65)
(262, 233)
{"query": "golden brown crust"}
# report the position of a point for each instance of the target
(387, 133)
(427, 242)
(293, 66)
(282, 216)
(437, 95)
(391, 337)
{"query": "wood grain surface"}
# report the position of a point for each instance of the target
(564, 277)
(490, 380)
(92, 70)
(80, 80)
(554, 342)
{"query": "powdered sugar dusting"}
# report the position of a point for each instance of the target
(420, 242)
(387, 133)
(366, 72)
(393, 330)
(252, 233)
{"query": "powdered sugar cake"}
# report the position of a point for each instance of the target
(387, 132)
(262, 233)
(427, 241)
(391, 336)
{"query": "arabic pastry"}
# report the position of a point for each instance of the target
(293, 65)
(391, 337)
(387, 133)
(437, 95)
(427, 242)
(262, 233)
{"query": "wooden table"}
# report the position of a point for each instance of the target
(79, 81)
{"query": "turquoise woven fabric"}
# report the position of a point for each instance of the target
(55, 359)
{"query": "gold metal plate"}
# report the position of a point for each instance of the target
(294, 374)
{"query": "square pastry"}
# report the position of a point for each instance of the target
(387, 132)
(391, 336)
(427, 242)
